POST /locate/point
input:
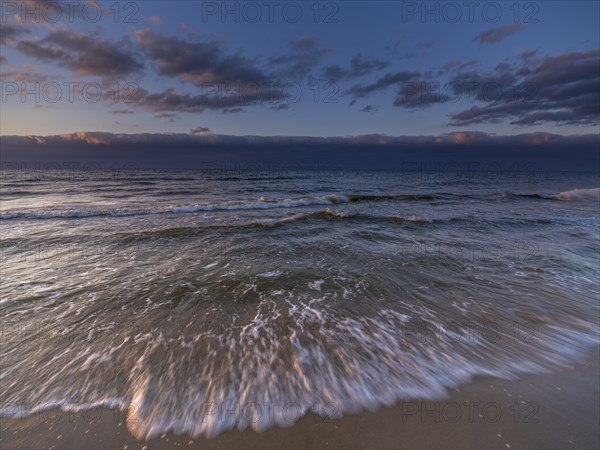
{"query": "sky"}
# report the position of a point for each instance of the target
(318, 69)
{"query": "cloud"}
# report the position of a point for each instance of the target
(10, 32)
(359, 67)
(122, 111)
(389, 79)
(225, 81)
(495, 35)
(528, 54)
(232, 110)
(305, 43)
(562, 89)
(199, 130)
(373, 151)
(305, 56)
(198, 63)
(210, 97)
(28, 74)
(84, 54)
(155, 20)
(456, 65)
(426, 44)
(369, 108)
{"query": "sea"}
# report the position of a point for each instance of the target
(197, 302)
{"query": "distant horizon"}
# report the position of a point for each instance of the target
(544, 151)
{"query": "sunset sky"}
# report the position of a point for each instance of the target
(350, 73)
(329, 69)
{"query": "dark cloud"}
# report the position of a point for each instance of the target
(199, 63)
(562, 89)
(423, 91)
(225, 81)
(373, 151)
(495, 35)
(426, 44)
(84, 54)
(222, 98)
(528, 54)
(456, 65)
(369, 108)
(389, 79)
(359, 67)
(122, 111)
(199, 130)
(305, 56)
(305, 43)
(9, 32)
(232, 110)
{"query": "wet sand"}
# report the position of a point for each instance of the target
(555, 410)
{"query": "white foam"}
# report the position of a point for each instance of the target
(579, 194)
(261, 203)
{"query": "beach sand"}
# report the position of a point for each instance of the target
(554, 410)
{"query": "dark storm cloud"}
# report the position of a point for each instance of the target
(359, 67)
(497, 34)
(374, 151)
(84, 54)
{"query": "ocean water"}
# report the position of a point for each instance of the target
(205, 301)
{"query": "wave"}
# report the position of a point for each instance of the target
(325, 214)
(574, 194)
(328, 214)
(579, 194)
(323, 363)
(261, 203)
(264, 203)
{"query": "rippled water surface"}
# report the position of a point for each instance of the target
(186, 293)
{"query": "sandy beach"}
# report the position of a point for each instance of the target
(554, 410)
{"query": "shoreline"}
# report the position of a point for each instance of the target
(560, 409)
